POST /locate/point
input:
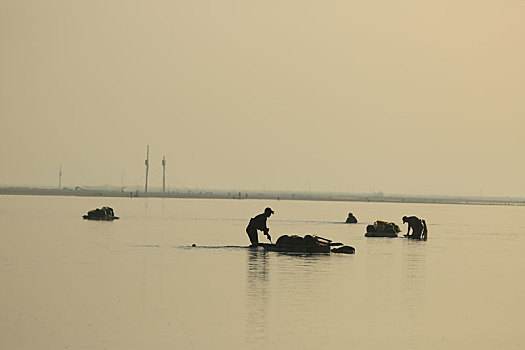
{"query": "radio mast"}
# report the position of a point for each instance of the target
(60, 178)
(163, 174)
(147, 168)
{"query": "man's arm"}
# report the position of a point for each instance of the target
(265, 228)
(408, 231)
(259, 222)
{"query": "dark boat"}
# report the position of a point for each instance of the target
(309, 244)
(382, 229)
(104, 214)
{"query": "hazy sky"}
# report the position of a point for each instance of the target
(414, 97)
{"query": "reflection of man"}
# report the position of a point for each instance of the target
(415, 224)
(259, 223)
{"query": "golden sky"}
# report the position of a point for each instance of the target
(414, 97)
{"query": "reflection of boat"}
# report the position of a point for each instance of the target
(325, 248)
(308, 244)
(106, 218)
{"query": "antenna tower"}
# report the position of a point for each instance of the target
(147, 169)
(60, 178)
(163, 174)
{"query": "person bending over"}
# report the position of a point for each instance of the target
(259, 223)
(415, 224)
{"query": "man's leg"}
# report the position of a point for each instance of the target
(417, 232)
(252, 235)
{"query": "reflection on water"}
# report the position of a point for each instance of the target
(414, 284)
(285, 285)
(257, 294)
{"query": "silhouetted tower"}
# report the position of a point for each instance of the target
(60, 178)
(147, 169)
(163, 174)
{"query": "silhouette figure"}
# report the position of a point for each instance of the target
(351, 219)
(415, 224)
(259, 223)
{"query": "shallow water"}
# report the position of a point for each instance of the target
(136, 283)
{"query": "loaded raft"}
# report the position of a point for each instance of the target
(104, 213)
(389, 229)
(382, 229)
(306, 244)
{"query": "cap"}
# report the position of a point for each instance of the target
(269, 210)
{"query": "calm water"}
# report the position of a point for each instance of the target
(136, 283)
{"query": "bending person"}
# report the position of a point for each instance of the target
(259, 223)
(415, 224)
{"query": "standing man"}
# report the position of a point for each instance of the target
(415, 224)
(259, 223)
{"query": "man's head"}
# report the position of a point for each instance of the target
(405, 219)
(268, 211)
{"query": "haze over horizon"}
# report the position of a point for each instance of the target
(359, 96)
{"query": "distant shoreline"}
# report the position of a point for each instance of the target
(338, 197)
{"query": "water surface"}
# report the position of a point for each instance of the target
(136, 283)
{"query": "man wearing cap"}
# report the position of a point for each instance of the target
(415, 224)
(259, 223)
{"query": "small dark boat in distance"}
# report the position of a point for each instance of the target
(104, 213)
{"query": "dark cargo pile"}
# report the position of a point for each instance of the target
(382, 229)
(295, 240)
(306, 244)
(104, 213)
